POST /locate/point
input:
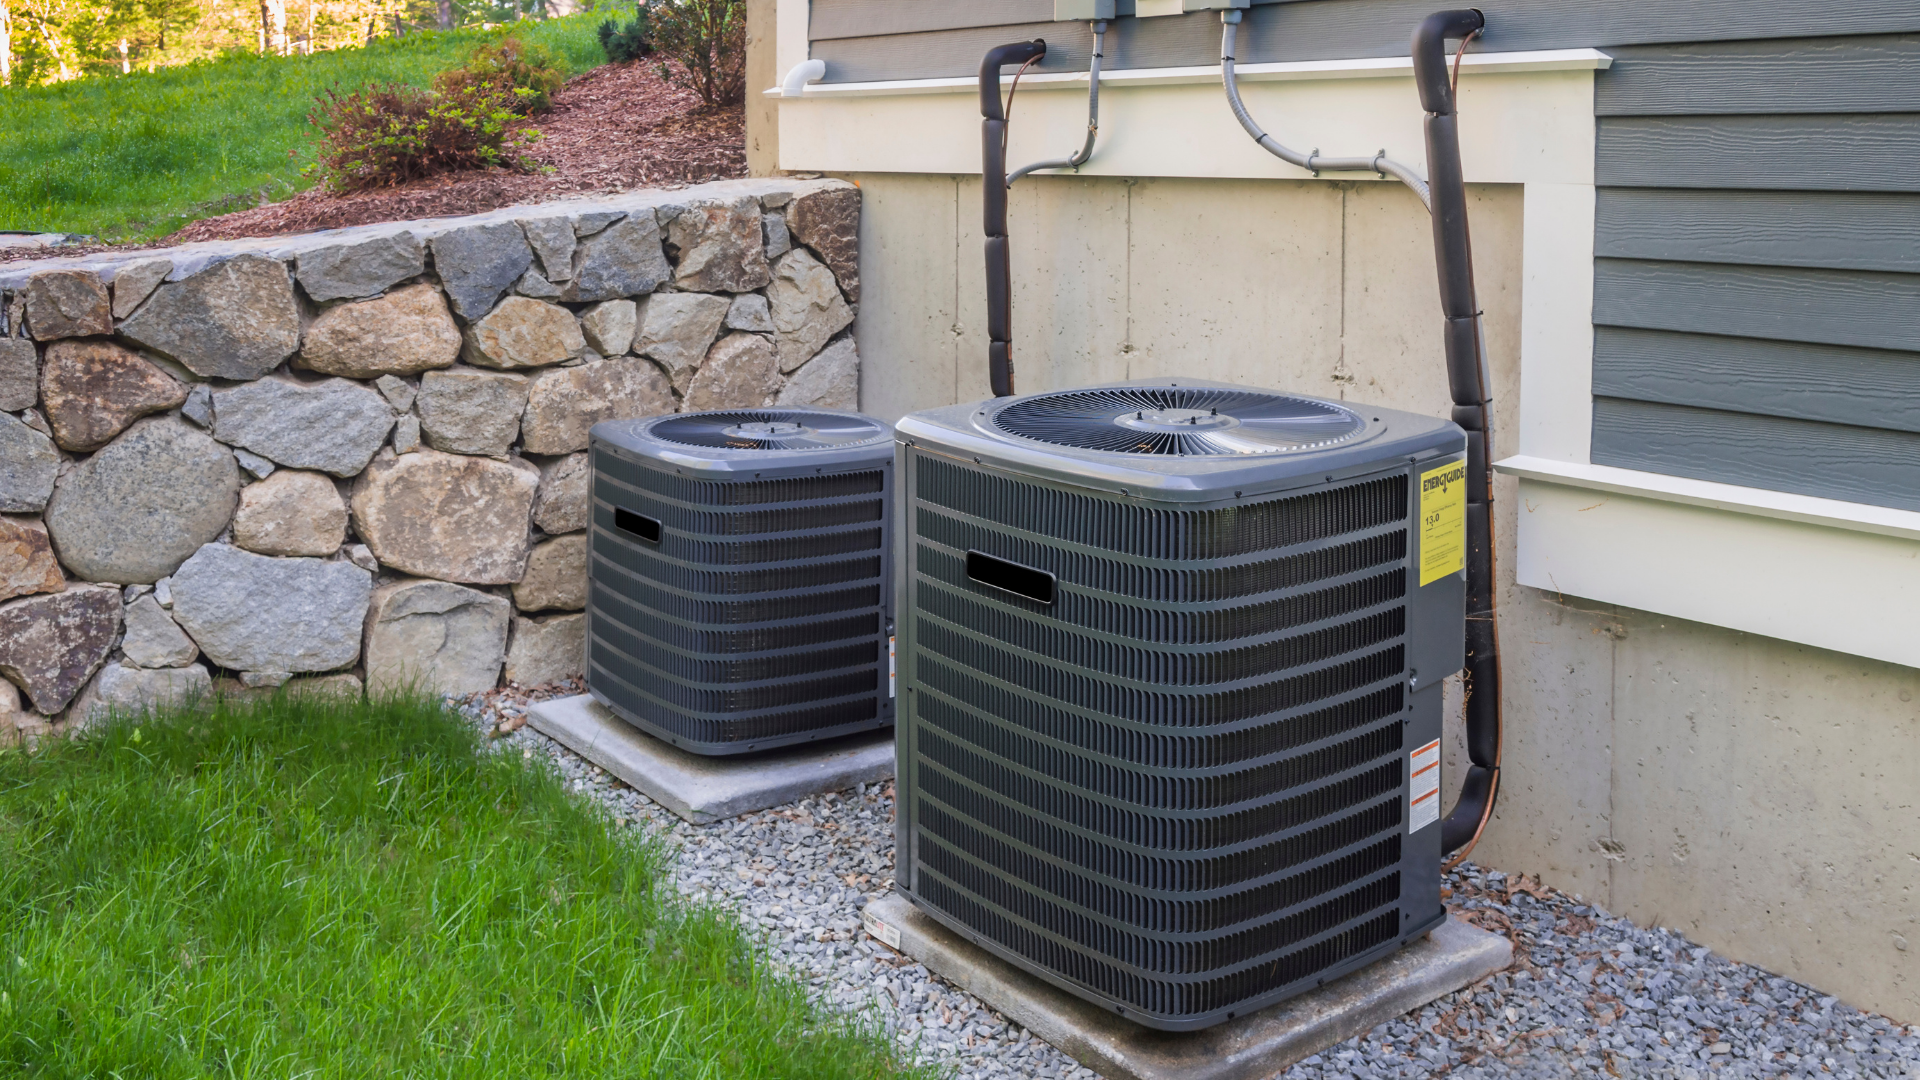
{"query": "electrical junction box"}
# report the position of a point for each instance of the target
(1148, 8)
(1085, 10)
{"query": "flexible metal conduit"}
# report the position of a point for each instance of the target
(1472, 390)
(993, 199)
(1081, 156)
(1312, 162)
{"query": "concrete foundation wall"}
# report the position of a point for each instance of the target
(1758, 796)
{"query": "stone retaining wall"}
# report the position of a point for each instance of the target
(356, 457)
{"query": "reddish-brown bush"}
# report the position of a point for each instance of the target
(387, 135)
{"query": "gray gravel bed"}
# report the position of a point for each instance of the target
(1588, 995)
(1594, 995)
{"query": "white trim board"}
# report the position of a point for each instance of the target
(1515, 127)
(1784, 506)
(1556, 328)
(1291, 71)
(1850, 591)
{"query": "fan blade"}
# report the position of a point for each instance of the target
(1156, 419)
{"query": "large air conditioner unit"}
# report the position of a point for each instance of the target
(1173, 656)
(1170, 672)
(740, 588)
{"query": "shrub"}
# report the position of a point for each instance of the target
(386, 135)
(530, 70)
(707, 39)
(629, 42)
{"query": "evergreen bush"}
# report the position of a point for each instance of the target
(629, 42)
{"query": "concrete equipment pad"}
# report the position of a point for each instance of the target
(706, 789)
(1247, 1048)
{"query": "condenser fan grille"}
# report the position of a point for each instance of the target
(768, 429)
(1178, 421)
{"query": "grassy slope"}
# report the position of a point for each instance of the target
(138, 156)
(342, 891)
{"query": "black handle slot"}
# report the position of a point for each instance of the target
(1010, 577)
(640, 525)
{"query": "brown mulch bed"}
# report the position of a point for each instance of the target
(611, 129)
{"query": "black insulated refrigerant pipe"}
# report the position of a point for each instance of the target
(1468, 380)
(993, 156)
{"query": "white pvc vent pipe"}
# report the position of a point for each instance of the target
(804, 72)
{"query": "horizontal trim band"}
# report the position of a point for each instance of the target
(1807, 509)
(1385, 67)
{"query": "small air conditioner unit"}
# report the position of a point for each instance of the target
(1170, 682)
(740, 586)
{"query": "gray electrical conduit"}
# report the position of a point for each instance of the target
(1313, 162)
(1093, 115)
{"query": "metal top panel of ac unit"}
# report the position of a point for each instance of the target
(1178, 421)
(1181, 440)
(737, 442)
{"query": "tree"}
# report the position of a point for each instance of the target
(46, 41)
(6, 45)
(273, 27)
(42, 53)
(52, 40)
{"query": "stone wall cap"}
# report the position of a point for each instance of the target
(194, 257)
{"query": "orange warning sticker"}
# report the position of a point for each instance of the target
(1423, 787)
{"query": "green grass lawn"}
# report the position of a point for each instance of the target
(304, 889)
(135, 157)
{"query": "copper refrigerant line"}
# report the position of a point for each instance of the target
(1443, 192)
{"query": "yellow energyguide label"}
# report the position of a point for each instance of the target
(1443, 521)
